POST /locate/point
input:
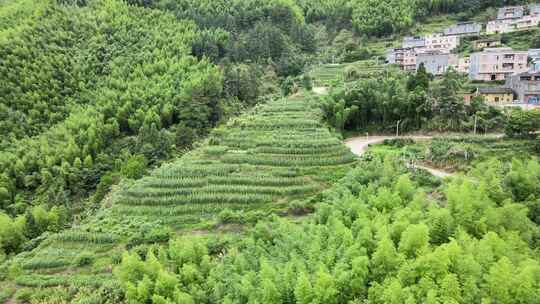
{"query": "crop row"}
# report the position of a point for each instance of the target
(159, 192)
(336, 150)
(278, 134)
(257, 180)
(46, 262)
(277, 142)
(36, 280)
(280, 124)
(175, 182)
(199, 198)
(197, 171)
(288, 160)
(86, 237)
(182, 210)
(307, 143)
(162, 193)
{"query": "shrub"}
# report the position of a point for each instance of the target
(228, 216)
(84, 259)
(23, 294)
(135, 167)
(300, 208)
(398, 142)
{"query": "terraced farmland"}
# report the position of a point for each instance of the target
(325, 75)
(262, 160)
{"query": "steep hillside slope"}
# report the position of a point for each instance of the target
(262, 160)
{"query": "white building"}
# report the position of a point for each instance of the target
(464, 63)
(511, 25)
(441, 43)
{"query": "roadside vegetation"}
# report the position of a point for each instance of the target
(169, 151)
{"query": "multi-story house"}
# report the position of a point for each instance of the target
(534, 55)
(463, 29)
(441, 43)
(464, 63)
(479, 45)
(510, 12)
(405, 58)
(436, 62)
(413, 42)
(497, 64)
(534, 9)
(512, 24)
(526, 86)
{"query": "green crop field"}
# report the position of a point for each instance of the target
(277, 152)
(325, 75)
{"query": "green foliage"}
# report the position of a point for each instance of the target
(522, 123)
(413, 250)
(108, 81)
(11, 233)
(378, 18)
(135, 167)
(415, 102)
(84, 259)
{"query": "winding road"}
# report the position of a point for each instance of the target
(359, 145)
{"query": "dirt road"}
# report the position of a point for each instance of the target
(359, 145)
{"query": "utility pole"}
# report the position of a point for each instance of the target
(397, 128)
(475, 121)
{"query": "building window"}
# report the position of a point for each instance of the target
(496, 99)
(493, 77)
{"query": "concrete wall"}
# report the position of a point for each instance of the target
(510, 12)
(495, 98)
(437, 64)
(528, 91)
(412, 42)
(497, 64)
(439, 42)
(466, 28)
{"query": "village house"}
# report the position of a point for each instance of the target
(496, 95)
(510, 12)
(464, 63)
(526, 86)
(413, 42)
(436, 62)
(512, 24)
(405, 58)
(525, 23)
(479, 45)
(497, 64)
(463, 28)
(534, 56)
(499, 27)
(441, 43)
(534, 9)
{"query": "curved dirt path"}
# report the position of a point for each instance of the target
(359, 145)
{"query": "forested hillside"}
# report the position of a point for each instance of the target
(381, 235)
(171, 151)
(254, 166)
(92, 89)
(88, 87)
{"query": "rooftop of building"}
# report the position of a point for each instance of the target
(466, 22)
(501, 50)
(495, 90)
(528, 73)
